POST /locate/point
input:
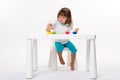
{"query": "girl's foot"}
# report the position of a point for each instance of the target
(72, 67)
(61, 60)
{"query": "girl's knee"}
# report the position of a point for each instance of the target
(73, 51)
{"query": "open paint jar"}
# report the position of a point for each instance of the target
(53, 32)
(74, 32)
(67, 32)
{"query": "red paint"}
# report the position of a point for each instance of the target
(67, 32)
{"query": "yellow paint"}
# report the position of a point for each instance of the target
(48, 32)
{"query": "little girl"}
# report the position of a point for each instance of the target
(63, 24)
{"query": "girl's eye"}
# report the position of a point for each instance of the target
(60, 16)
(64, 17)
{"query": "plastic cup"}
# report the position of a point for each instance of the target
(53, 32)
(67, 32)
(74, 32)
(48, 32)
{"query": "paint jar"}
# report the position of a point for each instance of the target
(74, 32)
(67, 32)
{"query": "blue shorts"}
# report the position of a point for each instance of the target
(60, 47)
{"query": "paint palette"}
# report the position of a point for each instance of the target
(67, 32)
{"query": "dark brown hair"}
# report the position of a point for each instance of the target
(67, 13)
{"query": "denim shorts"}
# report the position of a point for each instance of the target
(60, 47)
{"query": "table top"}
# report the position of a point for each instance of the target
(60, 36)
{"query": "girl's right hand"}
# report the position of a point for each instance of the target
(49, 27)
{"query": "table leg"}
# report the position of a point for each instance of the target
(93, 66)
(29, 72)
(35, 59)
(53, 58)
(87, 55)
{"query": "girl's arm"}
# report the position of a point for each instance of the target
(71, 28)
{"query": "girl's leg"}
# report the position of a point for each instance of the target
(73, 56)
(73, 50)
(61, 58)
(60, 48)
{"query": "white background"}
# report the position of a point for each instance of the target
(18, 18)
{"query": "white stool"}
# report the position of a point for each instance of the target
(53, 58)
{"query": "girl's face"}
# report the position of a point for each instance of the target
(62, 19)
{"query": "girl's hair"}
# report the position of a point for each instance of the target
(67, 13)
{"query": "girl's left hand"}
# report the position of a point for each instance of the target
(76, 29)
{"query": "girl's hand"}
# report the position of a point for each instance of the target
(49, 27)
(76, 29)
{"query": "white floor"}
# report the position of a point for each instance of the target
(106, 72)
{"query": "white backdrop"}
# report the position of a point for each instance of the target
(21, 17)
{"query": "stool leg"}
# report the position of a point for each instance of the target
(50, 62)
(35, 59)
(68, 58)
(29, 72)
(53, 58)
(87, 55)
(93, 66)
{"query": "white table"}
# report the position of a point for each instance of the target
(31, 61)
